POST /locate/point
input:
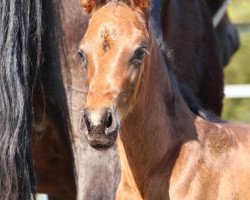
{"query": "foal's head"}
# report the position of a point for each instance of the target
(113, 51)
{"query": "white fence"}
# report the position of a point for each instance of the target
(237, 91)
(42, 197)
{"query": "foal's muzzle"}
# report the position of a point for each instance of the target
(100, 128)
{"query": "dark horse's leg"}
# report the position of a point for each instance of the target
(51, 139)
(53, 163)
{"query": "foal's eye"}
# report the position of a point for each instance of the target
(138, 56)
(82, 56)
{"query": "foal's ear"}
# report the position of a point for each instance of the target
(144, 5)
(90, 5)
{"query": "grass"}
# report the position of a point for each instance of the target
(237, 110)
(239, 11)
(238, 71)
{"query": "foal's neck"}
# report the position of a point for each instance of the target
(152, 133)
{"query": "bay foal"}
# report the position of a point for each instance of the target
(166, 152)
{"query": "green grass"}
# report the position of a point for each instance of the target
(237, 110)
(238, 71)
(239, 11)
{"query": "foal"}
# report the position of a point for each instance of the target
(166, 152)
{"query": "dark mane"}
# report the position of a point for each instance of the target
(20, 49)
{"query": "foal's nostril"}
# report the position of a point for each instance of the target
(87, 122)
(108, 120)
(110, 124)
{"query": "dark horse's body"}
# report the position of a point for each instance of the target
(206, 77)
(38, 43)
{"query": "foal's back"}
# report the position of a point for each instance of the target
(218, 163)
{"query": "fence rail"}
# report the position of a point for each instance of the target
(237, 91)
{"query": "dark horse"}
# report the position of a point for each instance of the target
(43, 92)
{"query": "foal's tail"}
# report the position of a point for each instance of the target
(20, 49)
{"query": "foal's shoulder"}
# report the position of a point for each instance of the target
(240, 132)
(223, 158)
(222, 137)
